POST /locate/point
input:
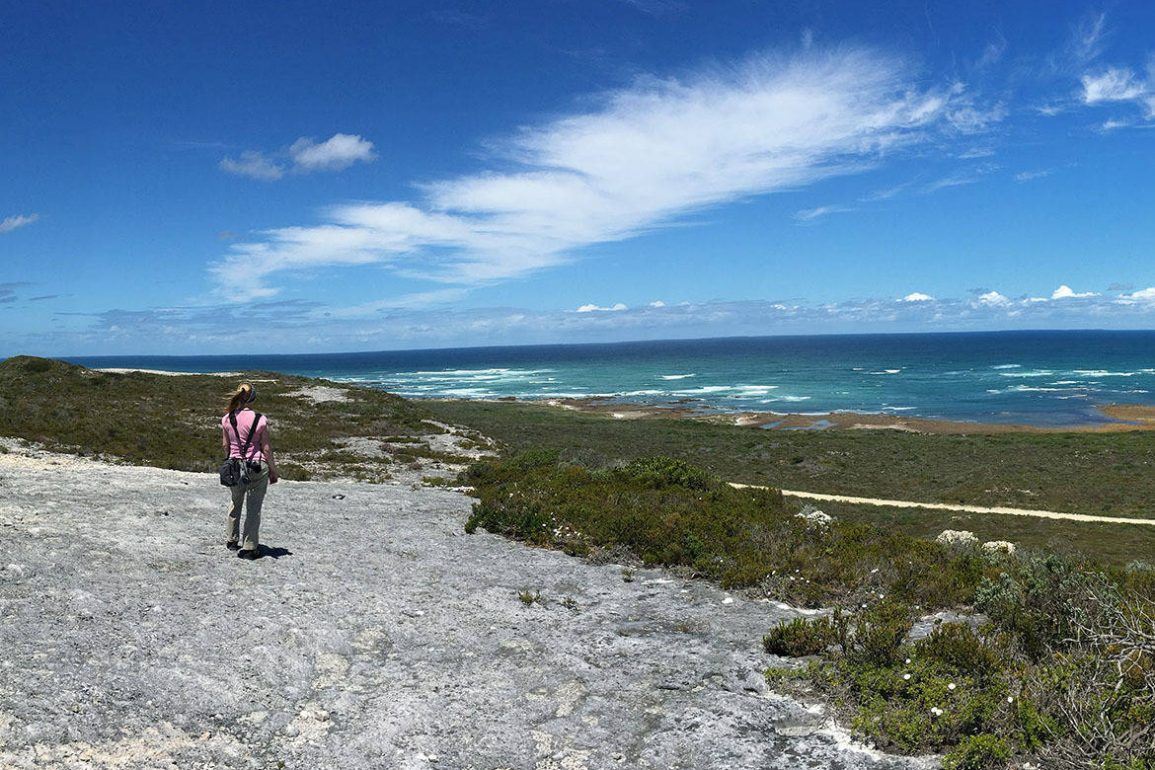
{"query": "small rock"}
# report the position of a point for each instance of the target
(338, 497)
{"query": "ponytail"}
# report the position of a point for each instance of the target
(245, 394)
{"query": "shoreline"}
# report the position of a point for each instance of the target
(1120, 418)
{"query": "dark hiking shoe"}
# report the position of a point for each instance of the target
(233, 545)
(251, 555)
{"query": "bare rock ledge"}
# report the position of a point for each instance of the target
(382, 636)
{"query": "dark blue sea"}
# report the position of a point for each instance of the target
(1043, 378)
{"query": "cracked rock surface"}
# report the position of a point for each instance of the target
(381, 636)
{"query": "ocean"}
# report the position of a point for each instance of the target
(1036, 377)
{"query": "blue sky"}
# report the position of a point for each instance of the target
(353, 176)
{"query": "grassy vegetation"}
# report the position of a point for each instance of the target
(669, 513)
(173, 422)
(1108, 543)
(1106, 474)
(1062, 673)
(1061, 470)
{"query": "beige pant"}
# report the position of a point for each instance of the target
(254, 492)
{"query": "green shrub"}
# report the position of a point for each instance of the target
(663, 512)
(879, 633)
(1042, 599)
(293, 472)
(670, 513)
(661, 472)
(978, 752)
(800, 637)
(957, 646)
(72, 409)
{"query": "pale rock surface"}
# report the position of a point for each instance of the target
(382, 636)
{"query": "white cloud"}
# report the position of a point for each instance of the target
(973, 120)
(646, 156)
(304, 156)
(1114, 84)
(917, 296)
(1087, 37)
(334, 154)
(1112, 125)
(253, 165)
(956, 180)
(1141, 296)
(993, 299)
(809, 215)
(993, 53)
(295, 325)
(657, 303)
(592, 308)
(8, 224)
(1027, 176)
(1066, 292)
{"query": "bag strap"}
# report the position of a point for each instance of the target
(252, 432)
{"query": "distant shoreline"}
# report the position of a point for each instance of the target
(1121, 418)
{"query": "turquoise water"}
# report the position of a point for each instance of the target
(1044, 378)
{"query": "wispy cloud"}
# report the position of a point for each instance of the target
(1027, 176)
(8, 292)
(254, 165)
(644, 157)
(615, 308)
(1109, 84)
(1113, 84)
(659, 7)
(810, 215)
(1087, 38)
(993, 53)
(954, 180)
(8, 224)
(973, 119)
(304, 156)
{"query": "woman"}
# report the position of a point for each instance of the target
(245, 435)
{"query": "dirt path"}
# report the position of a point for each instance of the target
(953, 507)
(382, 636)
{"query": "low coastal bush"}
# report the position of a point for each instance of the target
(1062, 674)
(1060, 671)
(801, 637)
(173, 422)
(668, 512)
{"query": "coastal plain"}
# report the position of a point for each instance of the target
(377, 633)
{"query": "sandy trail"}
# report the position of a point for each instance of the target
(953, 507)
(382, 636)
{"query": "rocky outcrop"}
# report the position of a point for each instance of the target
(374, 634)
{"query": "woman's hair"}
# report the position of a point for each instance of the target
(244, 395)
